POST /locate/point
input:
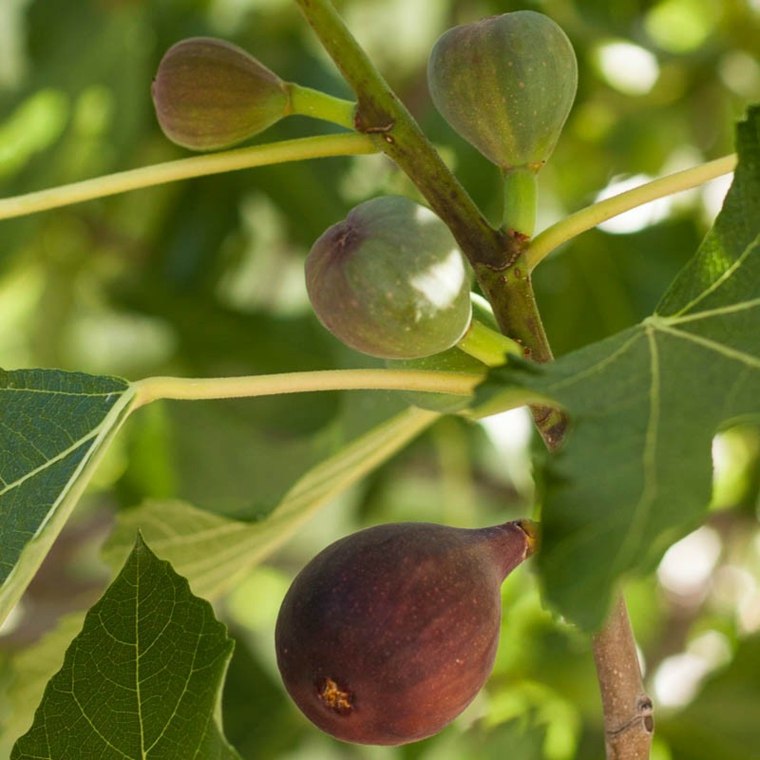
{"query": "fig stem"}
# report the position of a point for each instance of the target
(585, 219)
(305, 101)
(491, 252)
(628, 712)
(520, 199)
(381, 114)
(197, 389)
(488, 346)
(320, 146)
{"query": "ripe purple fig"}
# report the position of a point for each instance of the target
(210, 94)
(388, 634)
(390, 281)
(506, 84)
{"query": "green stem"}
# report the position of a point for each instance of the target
(487, 345)
(520, 198)
(197, 389)
(510, 292)
(305, 101)
(213, 163)
(491, 252)
(381, 114)
(569, 227)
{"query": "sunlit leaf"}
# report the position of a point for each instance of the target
(142, 678)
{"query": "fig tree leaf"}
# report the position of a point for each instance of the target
(141, 680)
(215, 551)
(634, 474)
(54, 427)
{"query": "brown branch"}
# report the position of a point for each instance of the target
(628, 711)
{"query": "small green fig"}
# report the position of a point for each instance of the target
(211, 94)
(388, 634)
(506, 84)
(390, 281)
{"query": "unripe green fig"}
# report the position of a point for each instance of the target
(390, 281)
(506, 84)
(388, 634)
(211, 94)
(453, 360)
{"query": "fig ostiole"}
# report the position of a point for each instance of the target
(388, 634)
(506, 85)
(211, 94)
(390, 280)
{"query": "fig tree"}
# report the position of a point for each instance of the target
(388, 634)
(506, 84)
(390, 281)
(211, 94)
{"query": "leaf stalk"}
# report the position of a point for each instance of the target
(321, 146)
(581, 221)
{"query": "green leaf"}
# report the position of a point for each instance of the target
(215, 551)
(635, 472)
(141, 680)
(54, 427)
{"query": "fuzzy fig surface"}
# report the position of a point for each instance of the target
(506, 85)
(390, 280)
(210, 94)
(388, 634)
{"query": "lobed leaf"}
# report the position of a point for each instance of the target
(635, 472)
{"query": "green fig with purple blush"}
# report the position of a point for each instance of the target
(506, 85)
(210, 94)
(390, 280)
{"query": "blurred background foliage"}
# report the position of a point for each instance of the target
(205, 278)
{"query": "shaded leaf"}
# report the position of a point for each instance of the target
(143, 677)
(53, 428)
(215, 551)
(635, 471)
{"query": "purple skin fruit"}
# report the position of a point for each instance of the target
(388, 634)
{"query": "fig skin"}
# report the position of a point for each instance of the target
(388, 634)
(390, 281)
(453, 360)
(506, 84)
(211, 94)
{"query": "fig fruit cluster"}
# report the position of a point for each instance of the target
(506, 85)
(211, 94)
(388, 634)
(390, 280)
